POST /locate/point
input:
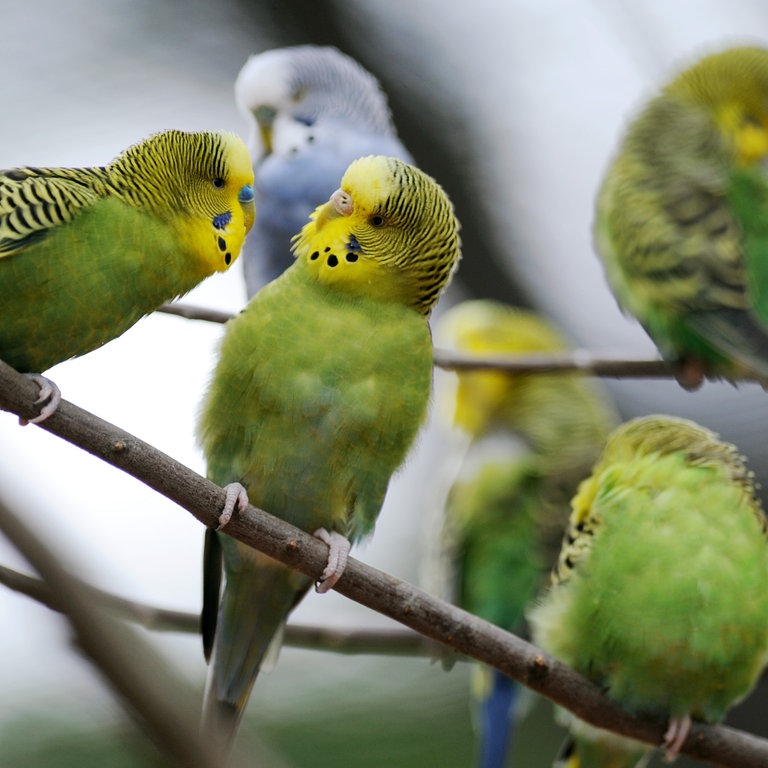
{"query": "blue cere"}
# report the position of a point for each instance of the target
(246, 194)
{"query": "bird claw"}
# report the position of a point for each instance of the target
(338, 552)
(237, 497)
(50, 394)
(675, 736)
(691, 374)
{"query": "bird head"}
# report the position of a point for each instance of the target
(199, 183)
(388, 233)
(733, 86)
(289, 94)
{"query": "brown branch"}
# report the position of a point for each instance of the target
(191, 312)
(346, 641)
(570, 361)
(436, 619)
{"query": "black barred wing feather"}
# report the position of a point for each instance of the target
(35, 200)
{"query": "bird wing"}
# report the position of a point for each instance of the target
(33, 201)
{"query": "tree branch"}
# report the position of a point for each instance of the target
(191, 312)
(348, 641)
(436, 619)
(157, 699)
(568, 361)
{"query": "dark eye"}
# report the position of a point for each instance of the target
(218, 183)
(377, 221)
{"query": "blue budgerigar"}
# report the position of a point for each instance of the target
(313, 110)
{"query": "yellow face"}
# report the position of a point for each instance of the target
(330, 243)
(387, 233)
(218, 194)
(749, 133)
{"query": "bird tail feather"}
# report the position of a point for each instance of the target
(255, 604)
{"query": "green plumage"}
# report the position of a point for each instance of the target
(682, 218)
(661, 591)
(319, 392)
(86, 252)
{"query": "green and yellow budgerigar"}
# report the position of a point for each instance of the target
(661, 590)
(86, 252)
(321, 386)
(682, 218)
(532, 438)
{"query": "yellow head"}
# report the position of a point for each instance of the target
(199, 183)
(733, 85)
(488, 327)
(388, 233)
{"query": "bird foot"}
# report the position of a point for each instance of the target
(338, 552)
(691, 374)
(675, 736)
(50, 394)
(237, 498)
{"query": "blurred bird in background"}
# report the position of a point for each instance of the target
(682, 218)
(312, 111)
(530, 439)
(659, 595)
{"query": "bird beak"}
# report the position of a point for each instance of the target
(339, 204)
(265, 119)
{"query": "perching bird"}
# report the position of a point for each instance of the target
(312, 111)
(86, 252)
(661, 591)
(682, 218)
(533, 437)
(321, 386)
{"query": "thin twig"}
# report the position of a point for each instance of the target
(347, 641)
(191, 312)
(567, 361)
(436, 619)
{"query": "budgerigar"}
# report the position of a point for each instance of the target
(661, 590)
(532, 439)
(321, 386)
(86, 252)
(682, 218)
(312, 110)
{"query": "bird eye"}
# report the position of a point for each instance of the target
(377, 221)
(218, 183)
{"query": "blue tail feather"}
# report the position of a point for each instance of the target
(497, 720)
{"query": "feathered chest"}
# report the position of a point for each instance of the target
(307, 365)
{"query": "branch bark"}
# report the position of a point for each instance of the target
(400, 642)
(433, 618)
(578, 360)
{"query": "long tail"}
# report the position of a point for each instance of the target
(259, 593)
(497, 715)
